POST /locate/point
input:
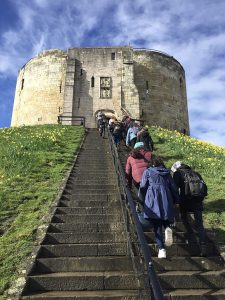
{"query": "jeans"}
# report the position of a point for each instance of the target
(198, 224)
(157, 225)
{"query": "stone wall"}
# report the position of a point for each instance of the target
(40, 90)
(160, 80)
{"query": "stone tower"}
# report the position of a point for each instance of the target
(149, 85)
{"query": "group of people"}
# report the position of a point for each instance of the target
(161, 190)
(127, 129)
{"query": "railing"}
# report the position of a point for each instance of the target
(127, 113)
(153, 281)
(75, 120)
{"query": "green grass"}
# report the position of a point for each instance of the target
(33, 163)
(206, 158)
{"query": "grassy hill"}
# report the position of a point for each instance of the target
(34, 161)
(204, 157)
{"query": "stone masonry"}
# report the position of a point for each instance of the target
(149, 84)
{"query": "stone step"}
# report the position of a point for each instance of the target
(182, 249)
(72, 218)
(188, 263)
(90, 203)
(87, 295)
(83, 264)
(192, 280)
(92, 187)
(91, 175)
(88, 228)
(70, 281)
(97, 181)
(75, 250)
(195, 294)
(93, 192)
(178, 237)
(88, 210)
(80, 238)
(93, 197)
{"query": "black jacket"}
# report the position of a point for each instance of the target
(190, 204)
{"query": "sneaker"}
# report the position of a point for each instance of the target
(168, 236)
(162, 253)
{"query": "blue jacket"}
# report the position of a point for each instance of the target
(161, 194)
(131, 134)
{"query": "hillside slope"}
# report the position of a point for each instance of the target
(33, 163)
(204, 157)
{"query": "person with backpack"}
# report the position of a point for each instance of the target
(131, 137)
(161, 195)
(144, 136)
(192, 190)
(116, 130)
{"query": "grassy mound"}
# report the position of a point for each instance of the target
(204, 157)
(33, 162)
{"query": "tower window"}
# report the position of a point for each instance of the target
(105, 87)
(60, 87)
(81, 72)
(22, 84)
(113, 56)
(147, 86)
(181, 82)
(92, 81)
(78, 106)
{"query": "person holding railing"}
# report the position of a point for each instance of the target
(161, 194)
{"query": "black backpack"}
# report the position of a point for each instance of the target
(194, 185)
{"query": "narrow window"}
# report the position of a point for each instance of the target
(113, 56)
(22, 84)
(81, 72)
(181, 82)
(92, 81)
(60, 87)
(147, 85)
(78, 103)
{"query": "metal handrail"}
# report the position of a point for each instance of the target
(156, 288)
(127, 112)
(80, 119)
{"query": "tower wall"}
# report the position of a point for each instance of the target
(150, 85)
(39, 92)
(160, 80)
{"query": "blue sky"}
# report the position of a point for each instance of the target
(193, 31)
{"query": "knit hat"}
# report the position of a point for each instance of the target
(139, 145)
(176, 166)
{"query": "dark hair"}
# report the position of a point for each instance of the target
(156, 161)
(135, 153)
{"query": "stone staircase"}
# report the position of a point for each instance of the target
(184, 275)
(85, 253)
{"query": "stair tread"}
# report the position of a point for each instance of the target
(195, 292)
(83, 273)
(87, 293)
(191, 273)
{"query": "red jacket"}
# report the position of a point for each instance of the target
(135, 166)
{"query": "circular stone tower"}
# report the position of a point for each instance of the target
(147, 84)
(40, 89)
